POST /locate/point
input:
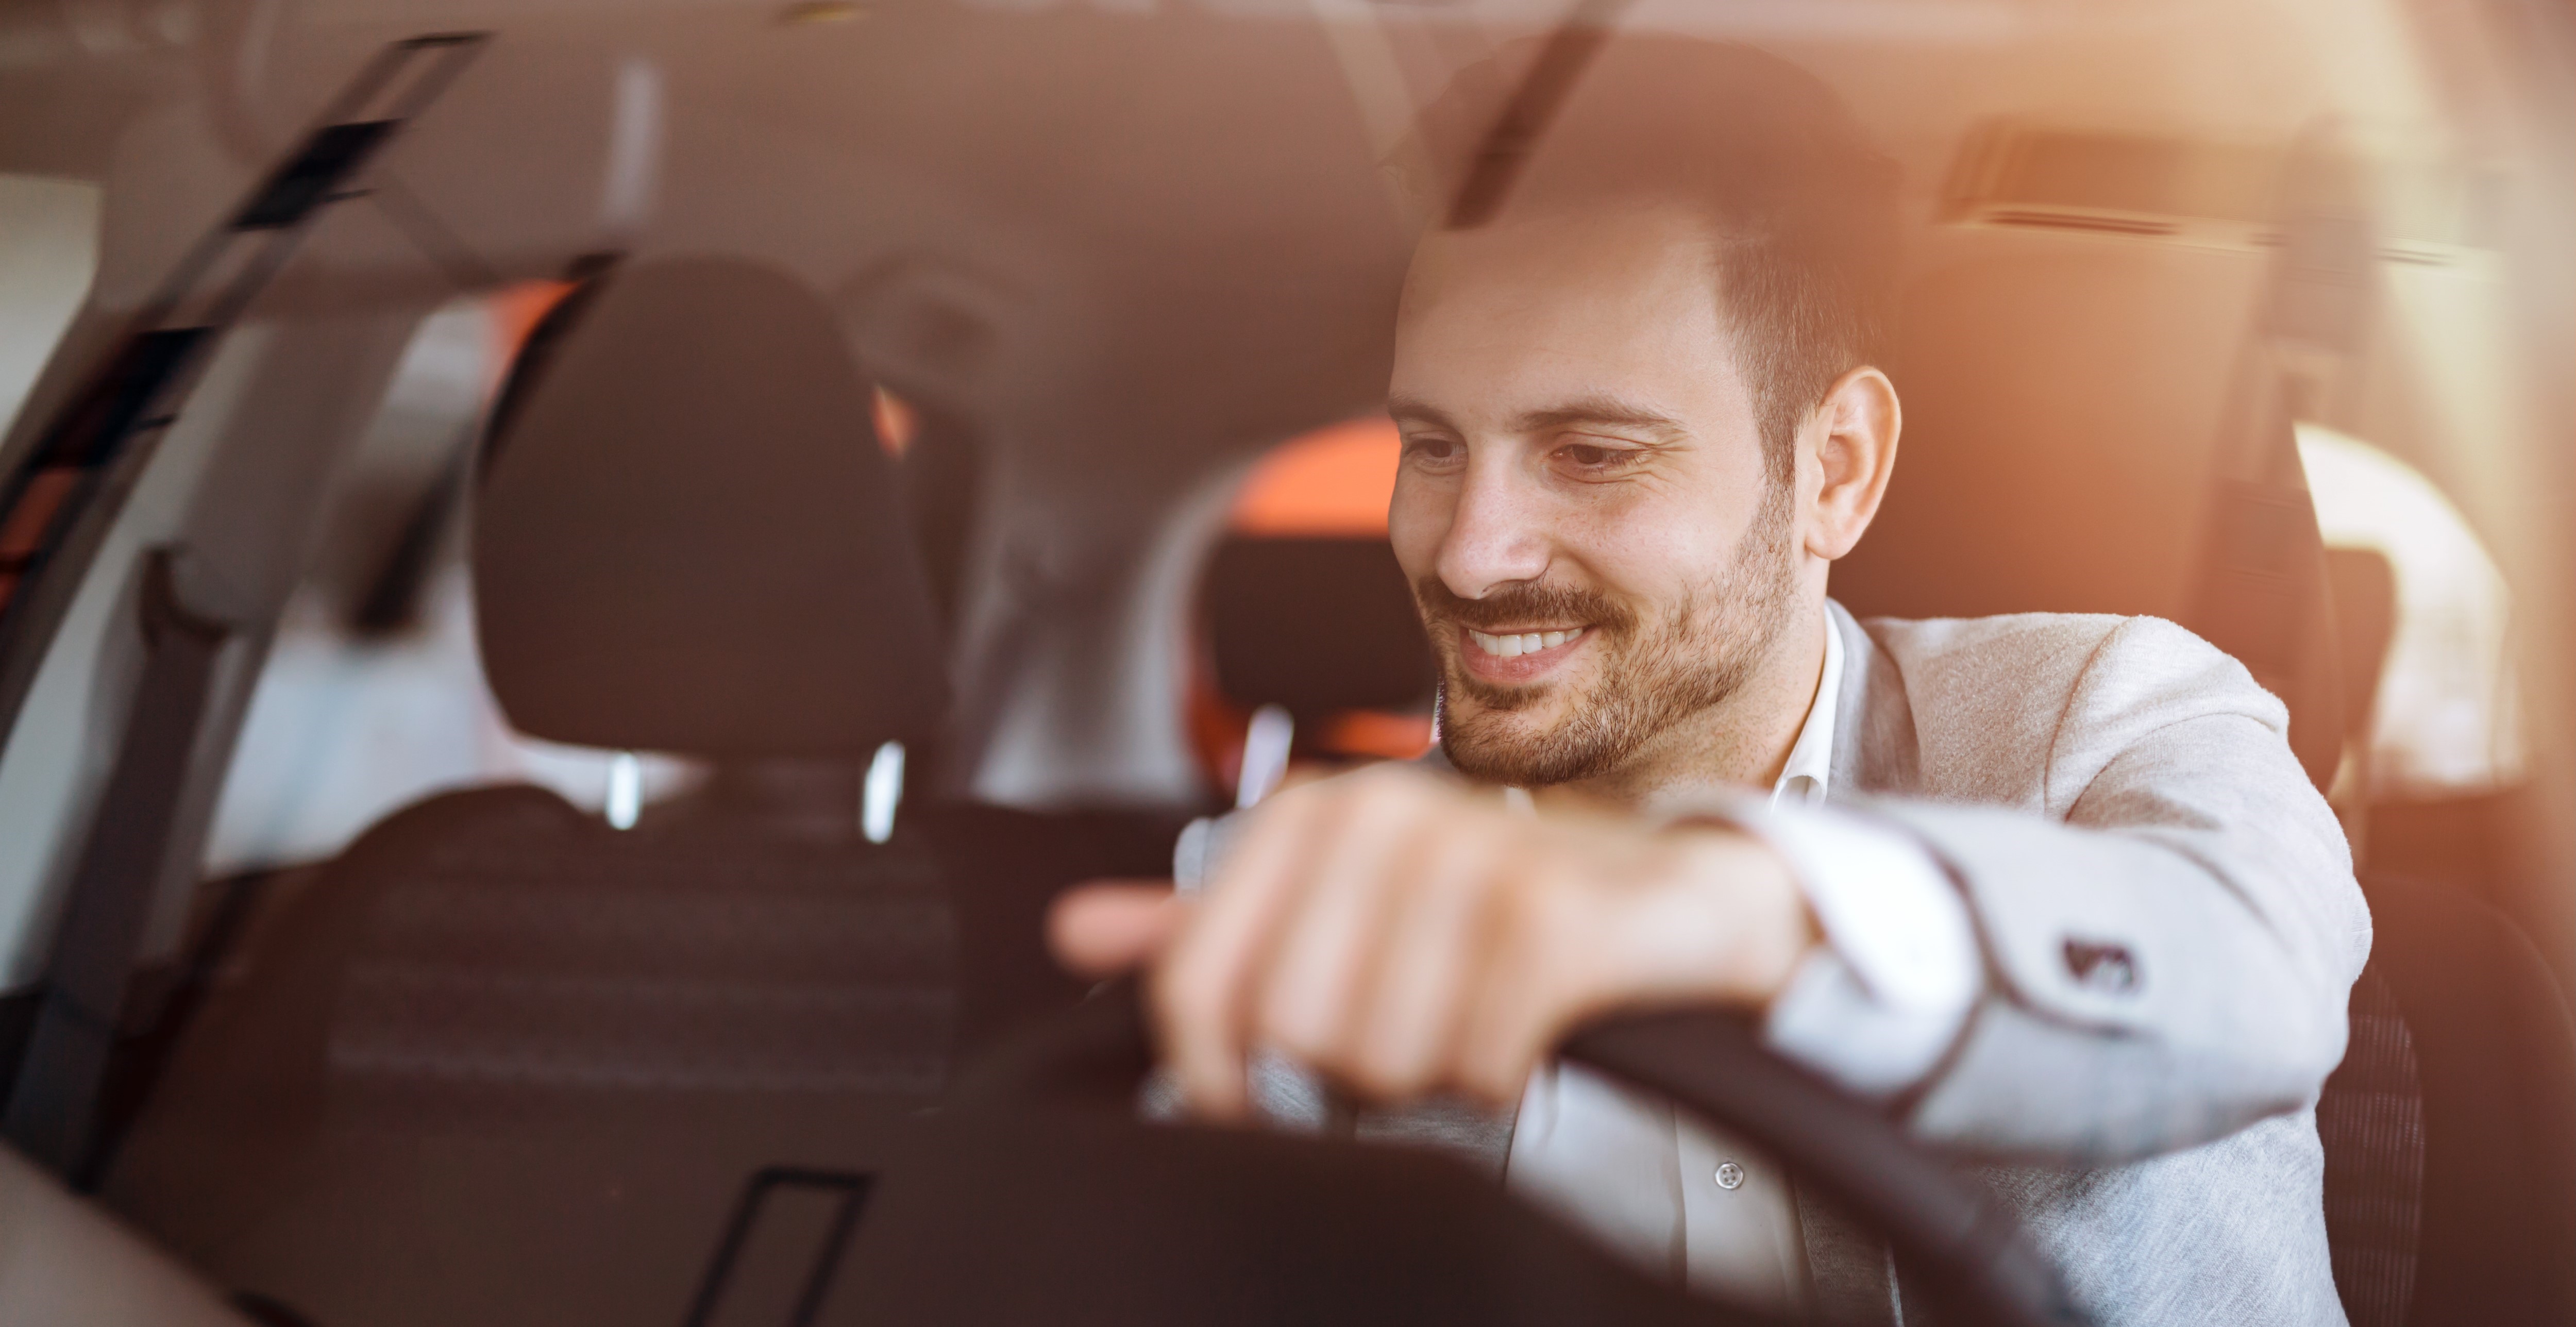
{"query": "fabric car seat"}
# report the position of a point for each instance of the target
(2450, 1182)
(2068, 446)
(1269, 600)
(502, 1062)
(2076, 430)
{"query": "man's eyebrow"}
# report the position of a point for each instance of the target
(1405, 409)
(1600, 410)
(1582, 410)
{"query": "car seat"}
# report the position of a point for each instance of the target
(503, 1062)
(2068, 447)
(1310, 644)
(2450, 1180)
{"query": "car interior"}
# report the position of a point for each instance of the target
(574, 580)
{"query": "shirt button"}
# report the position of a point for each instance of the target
(1729, 1175)
(2108, 968)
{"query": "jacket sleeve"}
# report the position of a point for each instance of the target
(2170, 947)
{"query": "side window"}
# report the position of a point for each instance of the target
(1312, 649)
(48, 253)
(2432, 702)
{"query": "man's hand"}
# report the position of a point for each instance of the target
(1402, 934)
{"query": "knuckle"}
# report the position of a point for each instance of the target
(1309, 1046)
(1525, 909)
(1294, 1026)
(1185, 994)
(1491, 1083)
(1384, 1069)
(1384, 1079)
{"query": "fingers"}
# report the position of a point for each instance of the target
(1402, 937)
(1538, 953)
(1307, 989)
(1106, 927)
(1403, 1039)
(1201, 989)
(1346, 931)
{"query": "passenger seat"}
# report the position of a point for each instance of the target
(505, 1063)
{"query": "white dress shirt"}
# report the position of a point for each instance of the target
(1874, 1008)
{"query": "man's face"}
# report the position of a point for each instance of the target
(1596, 543)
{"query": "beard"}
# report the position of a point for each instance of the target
(1648, 677)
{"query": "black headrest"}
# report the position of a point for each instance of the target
(686, 537)
(1319, 625)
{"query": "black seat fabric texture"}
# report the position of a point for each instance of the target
(494, 1006)
(2450, 1183)
(530, 957)
(2371, 1120)
(2494, 1059)
(496, 956)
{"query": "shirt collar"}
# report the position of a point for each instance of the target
(1807, 777)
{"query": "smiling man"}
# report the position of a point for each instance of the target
(2051, 888)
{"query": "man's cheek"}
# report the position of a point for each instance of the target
(1416, 520)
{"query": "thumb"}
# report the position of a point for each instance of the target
(1106, 927)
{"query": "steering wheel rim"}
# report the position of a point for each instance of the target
(1967, 1252)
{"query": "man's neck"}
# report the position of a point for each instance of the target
(1743, 740)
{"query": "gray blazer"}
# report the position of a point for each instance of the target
(2171, 926)
(2172, 929)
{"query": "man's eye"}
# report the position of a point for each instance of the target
(1590, 456)
(1432, 451)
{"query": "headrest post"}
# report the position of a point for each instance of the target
(881, 793)
(1265, 754)
(625, 799)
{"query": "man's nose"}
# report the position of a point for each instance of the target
(1496, 536)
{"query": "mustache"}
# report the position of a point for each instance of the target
(1514, 605)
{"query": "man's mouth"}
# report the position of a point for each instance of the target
(1518, 656)
(1513, 644)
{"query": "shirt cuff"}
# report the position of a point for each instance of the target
(1880, 1002)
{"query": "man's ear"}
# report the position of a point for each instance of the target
(1852, 437)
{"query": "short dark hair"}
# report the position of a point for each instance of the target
(1802, 209)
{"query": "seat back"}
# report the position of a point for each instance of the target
(2370, 1119)
(686, 539)
(2450, 1182)
(1306, 617)
(2083, 433)
(1318, 624)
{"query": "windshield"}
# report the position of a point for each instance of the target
(577, 587)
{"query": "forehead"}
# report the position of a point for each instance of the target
(1513, 314)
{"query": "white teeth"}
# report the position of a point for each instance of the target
(1527, 642)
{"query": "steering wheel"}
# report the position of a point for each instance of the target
(1955, 1243)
